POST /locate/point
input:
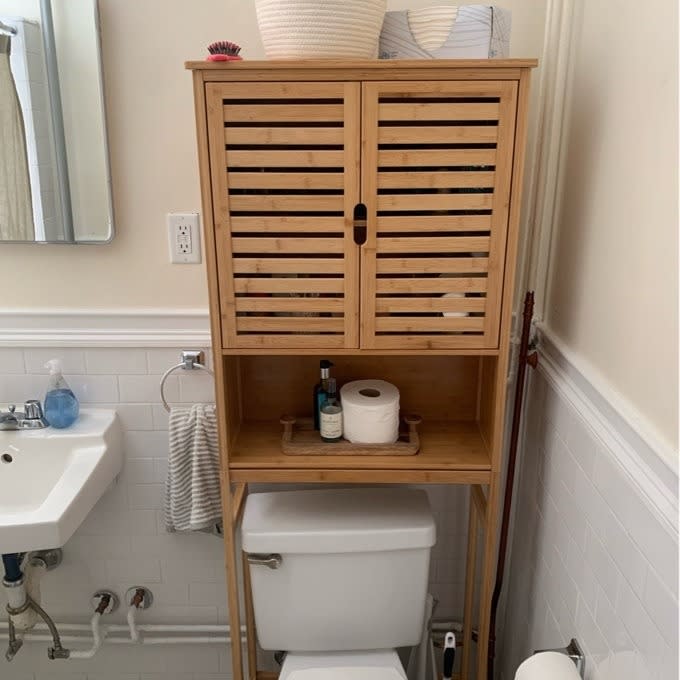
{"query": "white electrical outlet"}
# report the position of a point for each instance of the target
(184, 238)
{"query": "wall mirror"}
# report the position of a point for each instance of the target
(55, 184)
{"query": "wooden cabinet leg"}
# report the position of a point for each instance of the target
(488, 582)
(470, 568)
(251, 637)
(230, 514)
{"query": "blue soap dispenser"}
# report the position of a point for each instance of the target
(61, 405)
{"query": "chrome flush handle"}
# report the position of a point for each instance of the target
(272, 561)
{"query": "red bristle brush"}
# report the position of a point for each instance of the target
(223, 50)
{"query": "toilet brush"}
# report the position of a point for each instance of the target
(449, 655)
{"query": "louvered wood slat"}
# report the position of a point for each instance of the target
(288, 265)
(431, 265)
(309, 203)
(419, 324)
(283, 90)
(287, 245)
(431, 285)
(288, 285)
(283, 113)
(435, 185)
(433, 244)
(283, 211)
(410, 110)
(285, 159)
(434, 157)
(286, 180)
(429, 304)
(423, 134)
(442, 223)
(288, 224)
(284, 135)
(297, 304)
(302, 324)
(424, 202)
(436, 180)
(291, 341)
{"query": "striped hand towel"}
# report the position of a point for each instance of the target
(192, 488)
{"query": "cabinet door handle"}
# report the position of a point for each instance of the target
(360, 221)
(272, 561)
(360, 232)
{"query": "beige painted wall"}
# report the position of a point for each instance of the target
(153, 154)
(612, 296)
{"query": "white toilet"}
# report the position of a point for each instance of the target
(339, 578)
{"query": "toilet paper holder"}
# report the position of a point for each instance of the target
(574, 652)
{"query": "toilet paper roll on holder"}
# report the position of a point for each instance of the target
(574, 652)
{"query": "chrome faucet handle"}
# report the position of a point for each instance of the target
(11, 408)
(33, 410)
(33, 417)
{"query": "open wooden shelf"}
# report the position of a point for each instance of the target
(450, 451)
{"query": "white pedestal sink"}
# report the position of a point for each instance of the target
(50, 479)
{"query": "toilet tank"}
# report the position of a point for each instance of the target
(353, 568)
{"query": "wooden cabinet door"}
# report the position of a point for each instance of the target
(436, 173)
(284, 164)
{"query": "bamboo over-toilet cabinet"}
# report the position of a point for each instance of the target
(366, 212)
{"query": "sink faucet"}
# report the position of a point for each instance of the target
(31, 418)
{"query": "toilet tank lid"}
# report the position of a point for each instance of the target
(337, 521)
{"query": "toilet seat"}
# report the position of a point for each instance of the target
(381, 664)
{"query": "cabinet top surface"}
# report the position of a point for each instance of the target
(381, 65)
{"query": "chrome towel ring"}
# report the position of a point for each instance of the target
(191, 359)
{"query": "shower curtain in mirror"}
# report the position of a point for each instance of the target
(16, 212)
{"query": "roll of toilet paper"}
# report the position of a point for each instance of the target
(370, 412)
(544, 665)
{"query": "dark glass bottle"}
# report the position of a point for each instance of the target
(320, 390)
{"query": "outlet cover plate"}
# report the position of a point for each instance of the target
(184, 238)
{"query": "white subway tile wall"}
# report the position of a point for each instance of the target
(589, 560)
(122, 543)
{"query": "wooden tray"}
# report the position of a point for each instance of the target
(301, 439)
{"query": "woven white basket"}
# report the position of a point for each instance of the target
(320, 29)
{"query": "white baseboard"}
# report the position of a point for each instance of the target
(646, 459)
(104, 328)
